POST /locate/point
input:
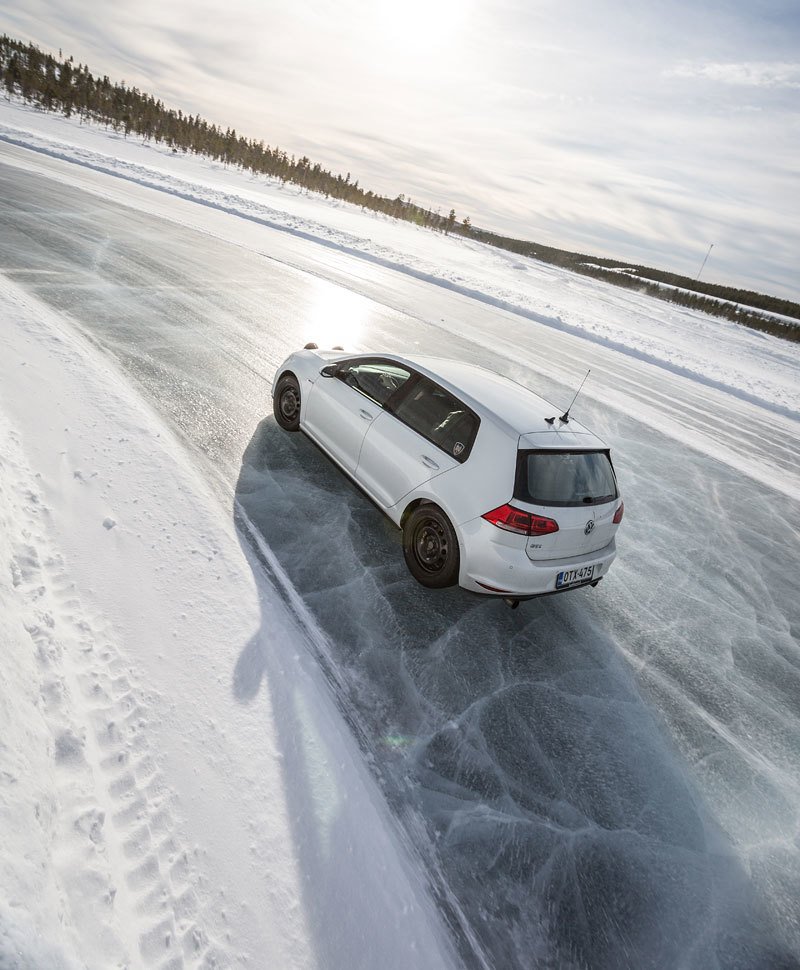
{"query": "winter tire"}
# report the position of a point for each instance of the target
(430, 547)
(286, 403)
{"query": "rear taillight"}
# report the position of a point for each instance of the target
(618, 514)
(515, 520)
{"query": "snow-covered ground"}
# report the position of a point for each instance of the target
(178, 784)
(631, 271)
(162, 806)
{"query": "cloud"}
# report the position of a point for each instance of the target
(755, 74)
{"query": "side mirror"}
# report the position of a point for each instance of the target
(329, 370)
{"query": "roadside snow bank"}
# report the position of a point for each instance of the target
(176, 788)
(753, 366)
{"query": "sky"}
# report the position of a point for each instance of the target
(644, 132)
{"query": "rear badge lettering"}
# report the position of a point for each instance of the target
(589, 527)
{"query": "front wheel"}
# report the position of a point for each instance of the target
(430, 547)
(286, 403)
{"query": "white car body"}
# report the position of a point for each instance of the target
(401, 470)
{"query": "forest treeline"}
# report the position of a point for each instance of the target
(58, 84)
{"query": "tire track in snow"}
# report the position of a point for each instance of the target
(127, 884)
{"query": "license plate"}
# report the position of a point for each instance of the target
(574, 577)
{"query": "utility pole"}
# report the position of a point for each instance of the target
(704, 262)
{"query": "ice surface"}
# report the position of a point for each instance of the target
(575, 825)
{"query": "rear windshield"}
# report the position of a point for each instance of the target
(565, 478)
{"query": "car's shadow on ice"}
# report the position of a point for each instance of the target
(560, 814)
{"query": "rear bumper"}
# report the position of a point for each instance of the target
(496, 564)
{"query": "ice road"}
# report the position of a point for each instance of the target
(603, 779)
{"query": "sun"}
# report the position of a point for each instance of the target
(418, 26)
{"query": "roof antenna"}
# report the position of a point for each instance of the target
(564, 418)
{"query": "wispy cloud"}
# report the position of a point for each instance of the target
(756, 74)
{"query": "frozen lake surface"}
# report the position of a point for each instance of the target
(603, 779)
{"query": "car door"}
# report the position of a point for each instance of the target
(344, 401)
(424, 432)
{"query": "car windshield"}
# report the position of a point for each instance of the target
(565, 478)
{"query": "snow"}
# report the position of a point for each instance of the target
(754, 366)
(164, 803)
(632, 271)
(180, 782)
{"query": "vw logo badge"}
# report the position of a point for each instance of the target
(589, 527)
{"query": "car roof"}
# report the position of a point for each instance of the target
(508, 403)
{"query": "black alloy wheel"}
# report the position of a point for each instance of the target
(430, 547)
(286, 403)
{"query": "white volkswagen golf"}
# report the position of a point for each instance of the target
(492, 489)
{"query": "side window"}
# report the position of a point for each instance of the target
(438, 416)
(378, 380)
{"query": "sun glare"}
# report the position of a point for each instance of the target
(336, 318)
(419, 26)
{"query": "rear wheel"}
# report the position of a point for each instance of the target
(430, 547)
(286, 403)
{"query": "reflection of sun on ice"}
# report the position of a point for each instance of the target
(336, 318)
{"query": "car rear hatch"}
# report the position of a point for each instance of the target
(574, 488)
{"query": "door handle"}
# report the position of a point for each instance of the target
(365, 414)
(428, 461)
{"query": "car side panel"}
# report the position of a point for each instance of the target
(395, 459)
(484, 481)
(306, 366)
(338, 417)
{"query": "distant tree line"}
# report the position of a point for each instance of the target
(740, 306)
(58, 84)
